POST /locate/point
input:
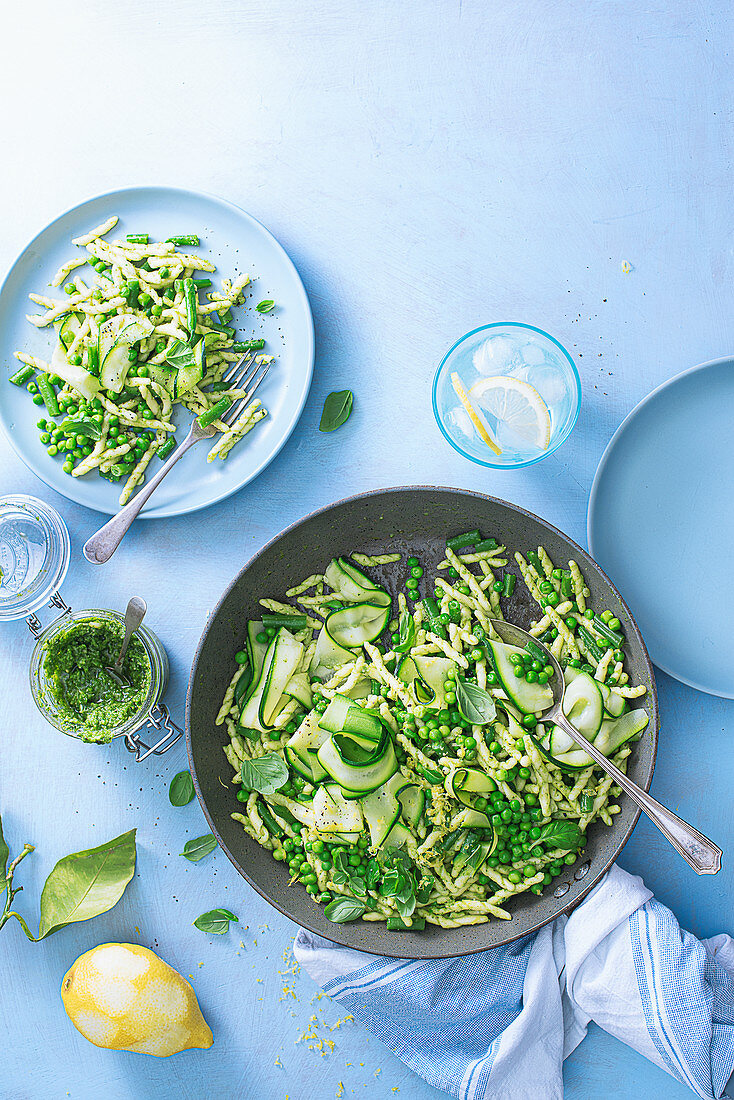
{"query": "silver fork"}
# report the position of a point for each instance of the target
(247, 373)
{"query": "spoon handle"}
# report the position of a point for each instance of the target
(134, 615)
(697, 850)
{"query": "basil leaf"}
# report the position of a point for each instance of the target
(406, 905)
(406, 629)
(432, 775)
(81, 426)
(195, 850)
(475, 705)
(337, 410)
(565, 835)
(180, 355)
(85, 884)
(390, 884)
(344, 909)
(264, 775)
(358, 885)
(215, 922)
(373, 874)
(265, 306)
(181, 790)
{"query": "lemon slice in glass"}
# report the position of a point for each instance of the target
(475, 415)
(514, 403)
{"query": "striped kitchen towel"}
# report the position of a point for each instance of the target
(498, 1024)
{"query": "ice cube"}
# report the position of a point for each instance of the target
(533, 355)
(459, 418)
(494, 355)
(549, 383)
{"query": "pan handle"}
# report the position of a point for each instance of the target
(158, 719)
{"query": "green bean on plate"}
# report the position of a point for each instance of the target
(133, 338)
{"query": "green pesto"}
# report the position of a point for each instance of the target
(88, 701)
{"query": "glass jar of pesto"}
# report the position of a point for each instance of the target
(75, 693)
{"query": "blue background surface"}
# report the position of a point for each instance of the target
(429, 166)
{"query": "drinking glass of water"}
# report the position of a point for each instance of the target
(506, 395)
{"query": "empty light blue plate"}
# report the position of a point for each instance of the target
(236, 243)
(661, 523)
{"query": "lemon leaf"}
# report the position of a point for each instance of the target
(85, 884)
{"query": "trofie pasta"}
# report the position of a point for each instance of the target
(132, 341)
(414, 781)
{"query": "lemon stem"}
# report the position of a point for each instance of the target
(11, 891)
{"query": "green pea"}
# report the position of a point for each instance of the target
(614, 624)
(571, 622)
(412, 561)
(569, 859)
(241, 657)
(552, 599)
(515, 877)
(543, 677)
(242, 796)
(498, 586)
(531, 676)
(411, 583)
(53, 450)
(416, 571)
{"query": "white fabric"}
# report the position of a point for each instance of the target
(498, 1024)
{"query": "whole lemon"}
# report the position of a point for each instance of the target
(124, 997)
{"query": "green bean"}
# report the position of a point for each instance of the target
(137, 238)
(191, 304)
(48, 394)
(431, 775)
(133, 286)
(432, 613)
(202, 284)
(215, 412)
(508, 584)
(536, 651)
(248, 345)
(268, 820)
(21, 376)
(567, 588)
(485, 544)
(535, 562)
(607, 632)
(229, 330)
(396, 924)
(586, 803)
(165, 448)
(217, 387)
(460, 542)
(292, 622)
(185, 238)
(590, 643)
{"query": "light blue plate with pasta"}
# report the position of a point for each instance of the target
(236, 243)
(661, 523)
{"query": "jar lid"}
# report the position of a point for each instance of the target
(34, 554)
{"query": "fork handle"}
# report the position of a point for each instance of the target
(101, 546)
(697, 850)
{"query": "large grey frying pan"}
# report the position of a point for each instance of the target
(411, 520)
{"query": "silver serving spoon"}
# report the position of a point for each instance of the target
(134, 615)
(697, 850)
